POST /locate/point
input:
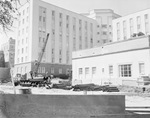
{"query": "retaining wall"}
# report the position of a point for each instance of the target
(60, 106)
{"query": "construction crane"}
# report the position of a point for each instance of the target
(34, 80)
(38, 62)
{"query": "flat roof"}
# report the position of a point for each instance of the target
(132, 44)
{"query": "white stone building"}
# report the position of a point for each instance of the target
(104, 18)
(124, 27)
(121, 62)
(68, 31)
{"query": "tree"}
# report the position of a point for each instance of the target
(8, 13)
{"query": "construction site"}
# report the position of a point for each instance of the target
(68, 65)
(47, 96)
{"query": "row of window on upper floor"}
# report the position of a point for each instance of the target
(23, 21)
(23, 31)
(25, 11)
(138, 21)
(22, 42)
(22, 51)
(22, 59)
(67, 19)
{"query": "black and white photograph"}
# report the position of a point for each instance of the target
(74, 58)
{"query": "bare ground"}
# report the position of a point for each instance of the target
(133, 96)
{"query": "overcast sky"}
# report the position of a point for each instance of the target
(121, 7)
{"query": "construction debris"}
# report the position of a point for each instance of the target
(93, 87)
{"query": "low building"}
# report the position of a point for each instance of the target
(121, 62)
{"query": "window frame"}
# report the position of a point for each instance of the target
(125, 70)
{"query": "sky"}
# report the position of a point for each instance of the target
(121, 7)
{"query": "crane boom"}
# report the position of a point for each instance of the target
(41, 55)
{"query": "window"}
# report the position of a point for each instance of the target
(23, 31)
(141, 68)
(104, 26)
(124, 30)
(93, 70)
(52, 70)
(67, 18)
(22, 21)
(39, 70)
(44, 19)
(18, 60)
(22, 41)
(110, 70)
(104, 41)
(60, 24)
(80, 71)
(60, 60)
(138, 23)
(27, 19)
(26, 58)
(131, 26)
(22, 50)
(43, 69)
(60, 70)
(60, 15)
(104, 33)
(67, 71)
(26, 39)
(27, 9)
(86, 71)
(53, 59)
(26, 49)
(40, 18)
(118, 31)
(27, 29)
(21, 59)
(125, 70)
(52, 51)
(146, 24)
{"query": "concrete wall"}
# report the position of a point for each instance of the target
(60, 106)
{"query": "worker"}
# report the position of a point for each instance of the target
(47, 80)
(31, 74)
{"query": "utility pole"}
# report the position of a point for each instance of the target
(11, 74)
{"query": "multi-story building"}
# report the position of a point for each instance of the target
(124, 27)
(69, 32)
(104, 19)
(9, 52)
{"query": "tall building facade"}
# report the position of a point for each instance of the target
(124, 27)
(69, 32)
(9, 52)
(104, 18)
